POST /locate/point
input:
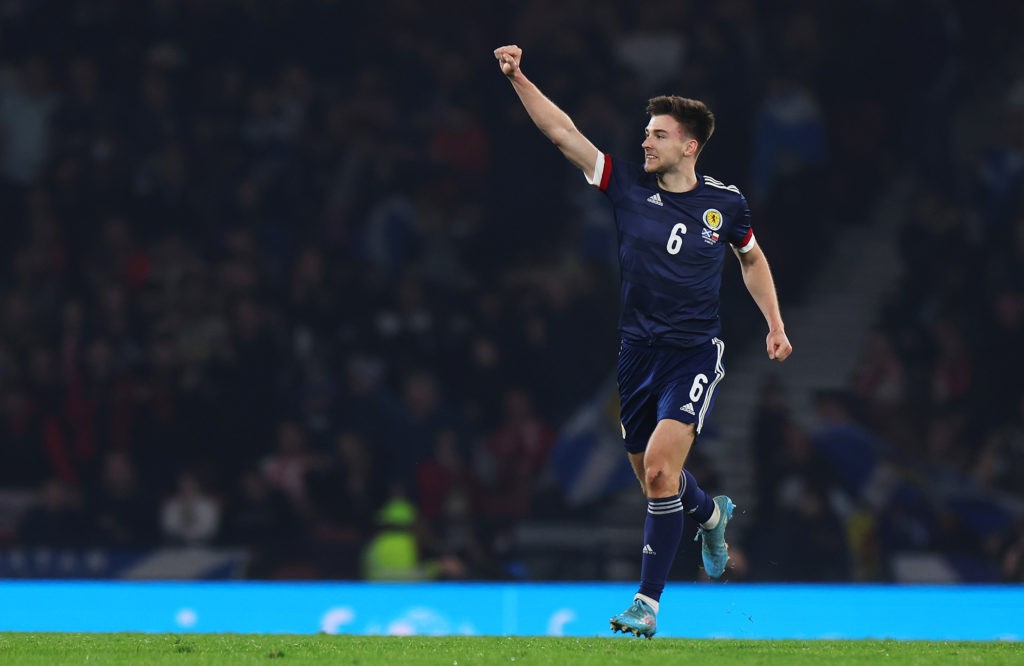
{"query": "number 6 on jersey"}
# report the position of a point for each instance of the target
(675, 238)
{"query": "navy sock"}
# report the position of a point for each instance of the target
(663, 529)
(696, 502)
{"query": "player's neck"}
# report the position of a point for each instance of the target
(678, 180)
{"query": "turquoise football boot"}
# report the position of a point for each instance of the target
(713, 548)
(639, 620)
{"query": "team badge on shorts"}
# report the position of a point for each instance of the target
(713, 219)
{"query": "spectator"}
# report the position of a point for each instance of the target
(517, 452)
(287, 468)
(260, 518)
(26, 105)
(806, 516)
(345, 492)
(190, 516)
(394, 552)
(125, 515)
(425, 415)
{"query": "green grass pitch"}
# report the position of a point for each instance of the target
(274, 650)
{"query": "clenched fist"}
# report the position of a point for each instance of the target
(508, 59)
(779, 347)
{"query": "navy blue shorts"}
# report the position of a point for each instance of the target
(658, 383)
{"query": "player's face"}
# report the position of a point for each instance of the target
(665, 145)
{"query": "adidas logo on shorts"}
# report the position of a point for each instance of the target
(648, 550)
(688, 408)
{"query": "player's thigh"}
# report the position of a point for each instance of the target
(638, 404)
(690, 383)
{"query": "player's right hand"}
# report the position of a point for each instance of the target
(508, 59)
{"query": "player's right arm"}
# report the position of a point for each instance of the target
(549, 119)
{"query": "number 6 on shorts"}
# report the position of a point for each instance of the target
(697, 390)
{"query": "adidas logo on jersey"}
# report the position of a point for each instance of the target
(655, 199)
(648, 550)
(688, 408)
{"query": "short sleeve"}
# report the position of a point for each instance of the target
(613, 176)
(741, 235)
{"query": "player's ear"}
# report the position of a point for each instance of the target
(692, 148)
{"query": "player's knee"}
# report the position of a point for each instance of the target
(658, 482)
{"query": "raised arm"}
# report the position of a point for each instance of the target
(549, 119)
(757, 276)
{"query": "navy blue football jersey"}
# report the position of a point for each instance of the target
(671, 249)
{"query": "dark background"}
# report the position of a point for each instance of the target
(269, 267)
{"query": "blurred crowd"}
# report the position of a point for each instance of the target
(304, 278)
(923, 452)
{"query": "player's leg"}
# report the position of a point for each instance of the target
(689, 400)
(641, 618)
(638, 406)
(663, 526)
(708, 512)
(696, 503)
(659, 467)
(639, 412)
(712, 514)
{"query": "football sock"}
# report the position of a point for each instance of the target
(653, 603)
(712, 522)
(696, 502)
(663, 528)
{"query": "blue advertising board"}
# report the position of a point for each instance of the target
(535, 609)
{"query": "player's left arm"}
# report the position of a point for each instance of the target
(757, 276)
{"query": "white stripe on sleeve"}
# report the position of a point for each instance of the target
(748, 246)
(598, 170)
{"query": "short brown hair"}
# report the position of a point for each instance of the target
(693, 114)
